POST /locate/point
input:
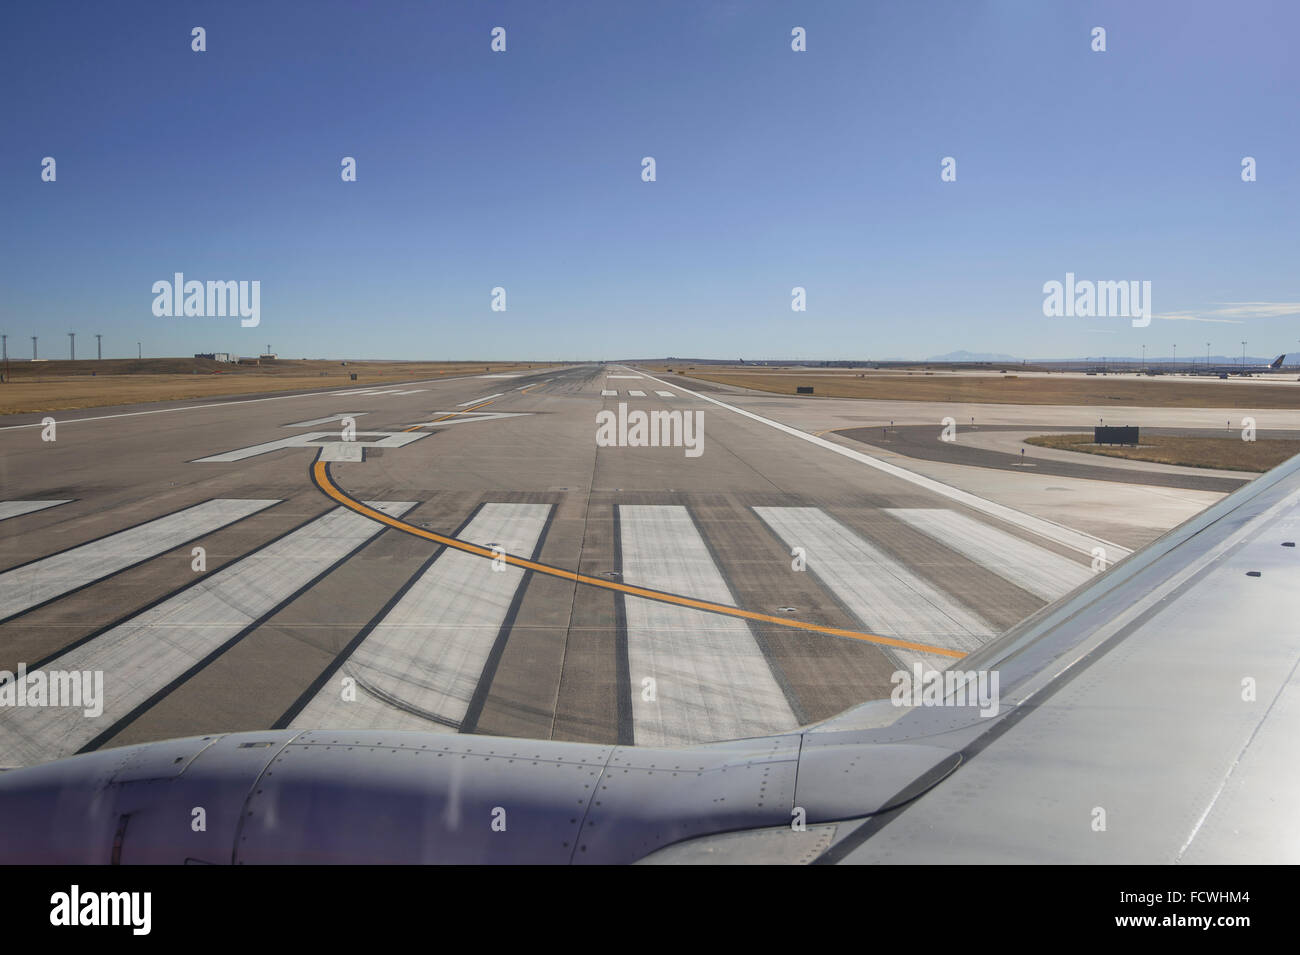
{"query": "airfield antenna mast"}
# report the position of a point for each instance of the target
(72, 346)
(1175, 359)
(1243, 358)
(139, 353)
(33, 348)
(99, 347)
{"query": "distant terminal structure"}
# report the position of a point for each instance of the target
(270, 356)
(217, 356)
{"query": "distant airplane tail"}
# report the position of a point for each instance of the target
(1277, 362)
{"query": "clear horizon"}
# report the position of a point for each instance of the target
(775, 169)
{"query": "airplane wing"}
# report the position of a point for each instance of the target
(1147, 717)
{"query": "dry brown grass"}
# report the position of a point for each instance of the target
(1004, 389)
(1229, 454)
(63, 385)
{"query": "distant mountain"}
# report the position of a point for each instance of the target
(972, 356)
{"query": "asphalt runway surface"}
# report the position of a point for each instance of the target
(473, 560)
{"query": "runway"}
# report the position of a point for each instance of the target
(463, 556)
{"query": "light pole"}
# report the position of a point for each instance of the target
(99, 348)
(1144, 357)
(1175, 360)
(1207, 358)
(1243, 358)
(72, 346)
(33, 348)
(138, 352)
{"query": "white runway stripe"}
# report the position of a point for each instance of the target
(350, 451)
(10, 509)
(474, 401)
(711, 679)
(333, 417)
(637, 394)
(884, 594)
(665, 394)
(24, 587)
(607, 393)
(312, 439)
(421, 664)
(1040, 571)
(148, 651)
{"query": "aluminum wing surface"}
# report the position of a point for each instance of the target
(1146, 718)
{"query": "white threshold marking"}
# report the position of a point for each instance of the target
(637, 394)
(885, 595)
(42, 580)
(1043, 573)
(665, 394)
(421, 664)
(623, 376)
(1066, 536)
(10, 509)
(142, 655)
(608, 393)
(712, 680)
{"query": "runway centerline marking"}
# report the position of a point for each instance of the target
(325, 483)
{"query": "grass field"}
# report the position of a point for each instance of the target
(1229, 454)
(1163, 392)
(63, 385)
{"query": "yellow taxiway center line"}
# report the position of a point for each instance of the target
(321, 476)
(453, 414)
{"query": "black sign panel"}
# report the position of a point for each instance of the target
(1109, 435)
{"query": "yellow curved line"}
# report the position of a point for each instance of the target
(321, 476)
(417, 427)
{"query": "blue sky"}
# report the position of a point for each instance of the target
(775, 169)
